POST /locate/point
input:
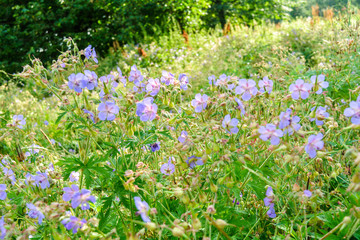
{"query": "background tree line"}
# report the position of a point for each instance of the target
(37, 28)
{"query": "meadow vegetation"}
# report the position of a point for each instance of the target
(249, 135)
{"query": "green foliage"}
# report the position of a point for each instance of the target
(37, 28)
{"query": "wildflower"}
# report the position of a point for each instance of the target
(75, 81)
(354, 111)
(270, 132)
(240, 106)
(52, 141)
(200, 102)
(266, 85)
(51, 168)
(314, 143)
(109, 80)
(319, 84)
(293, 126)
(247, 88)
(90, 115)
(73, 223)
(3, 191)
(82, 198)
(285, 119)
(90, 52)
(211, 80)
(194, 161)
(183, 136)
(107, 111)
(19, 121)
(167, 78)
(155, 147)
(2, 228)
(41, 180)
(168, 168)
(34, 212)
(9, 174)
(300, 88)
(33, 149)
(153, 86)
(222, 81)
(118, 76)
(46, 123)
(230, 124)
(271, 213)
(269, 196)
(74, 176)
(143, 208)
(146, 109)
(320, 115)
(29, 179)
(70, 192)
(184, 81)
(307, 193)
(135, 76)
(90, 80)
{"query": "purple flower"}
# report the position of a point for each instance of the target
(34, 212)
(314, 143)
(168, 168)
(230, 124)
(107, 111)
(2, 228)
(135, 76)
(184, 81)
(285, 119)
(75, 81)
(9, 174)
(320, 115)
(90, 115)
(294, 126)
(271, 213)
(46, 123)
(155, 147)
(73, 223)
(300, 88)
(240, 106)
(222, 81)
(194, 161)
(211, 80)
(109, 80)
(19, 121)
(118, 75)
(183, 137)
(146, 109)
(319, 84)
(269, 196)
(29, 179)
(266, 85)
(246, 88)
(41, 180)
(200, 102)
(3, 191)
(354, 111)
(153, 86)
(143, 208)
(270, 132)
(90, 80)
(74, 176)
(69, 192)
(167, 78)
(90, 52)
(82, 198)
(307, 193)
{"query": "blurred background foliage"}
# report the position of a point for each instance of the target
(31, 29)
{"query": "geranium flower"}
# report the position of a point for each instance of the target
(314, 143)
(300, 88)
(246, 88)
(146, 109)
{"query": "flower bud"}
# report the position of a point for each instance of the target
(213, 188)
(211, 209)
(151, 226)
(178, 231)
(220, 223)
